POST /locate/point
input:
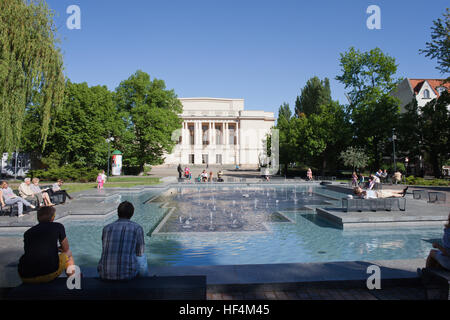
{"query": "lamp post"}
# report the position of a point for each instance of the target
(109, 140)
(394, 137)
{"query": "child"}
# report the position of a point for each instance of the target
(100, 181)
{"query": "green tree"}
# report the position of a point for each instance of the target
(152, 115)
(315, 93)
(435, 122)
(30, 69)
(287, 146)
(354, 157)
(439, 47)
(88, 116)
(373, 111)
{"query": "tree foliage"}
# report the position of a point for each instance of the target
(315, 94)
(354, 157)
(439, 46)
(151, 118)
(30, 69)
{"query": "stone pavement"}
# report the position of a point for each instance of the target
(326, 293)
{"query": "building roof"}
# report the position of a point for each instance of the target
(416, 84)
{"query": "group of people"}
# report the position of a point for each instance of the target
(30, 195)
(379, 177)
(47, 252)
(202, 177)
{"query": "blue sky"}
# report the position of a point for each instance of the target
(261, 51)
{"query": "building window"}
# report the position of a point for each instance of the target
(191, 135)
(205, 159)
(191, 159)
(426, 94)
(218, 159)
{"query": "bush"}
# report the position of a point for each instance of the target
(66, 173)
(411, 180)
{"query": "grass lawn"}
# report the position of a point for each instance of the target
(113, 182)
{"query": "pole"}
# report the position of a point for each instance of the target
(393, 142)
(109, 153)
(15, 165)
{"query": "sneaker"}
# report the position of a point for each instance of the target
(32, 207)
(20, 215)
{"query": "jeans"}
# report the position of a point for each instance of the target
(20, 203)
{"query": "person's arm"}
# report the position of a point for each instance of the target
(140, 243)
(442, 249)
(1, 199)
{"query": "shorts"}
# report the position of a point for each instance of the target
(63, 259)
(443, 260)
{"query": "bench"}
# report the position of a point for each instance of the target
(380, 204)
(437, 283)
(11, 210)
(149, 288)
(420, 194)
(436, 197)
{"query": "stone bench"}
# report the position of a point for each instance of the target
(149, 288)
(437, 283)
(380, 204)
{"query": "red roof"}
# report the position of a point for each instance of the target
(416, 84)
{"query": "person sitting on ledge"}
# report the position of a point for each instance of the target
(219, 176)
(372, 194)
(440, 258)
(123, 256)
(204, 176)
(10, 199)
(42, 261)
(56, 190)
(38, 192)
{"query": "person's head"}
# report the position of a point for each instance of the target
(125, 210)
(358, 191)
(27, 181)
(60, 182)
(46, 214)
(103, 171)
(35, 181)
(4, 184)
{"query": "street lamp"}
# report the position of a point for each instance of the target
(394, 137)
(109, 140)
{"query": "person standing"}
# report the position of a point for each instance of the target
(180, 171)
(43, 261)
(123, 246)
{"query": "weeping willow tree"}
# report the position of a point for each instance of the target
(31, 69)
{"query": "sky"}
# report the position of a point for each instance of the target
(261, 51)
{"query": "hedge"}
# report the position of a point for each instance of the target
(66, 173)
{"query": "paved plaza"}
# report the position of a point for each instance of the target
(319, 281)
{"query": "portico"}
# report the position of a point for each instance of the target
(219, 132)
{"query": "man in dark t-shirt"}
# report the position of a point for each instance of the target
(42, 261)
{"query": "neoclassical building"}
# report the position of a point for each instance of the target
(220, 132)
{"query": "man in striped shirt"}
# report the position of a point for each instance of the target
(123, 256)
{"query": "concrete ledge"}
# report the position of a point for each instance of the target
(151, 288)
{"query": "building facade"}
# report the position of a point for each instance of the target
(423, 90)
(220, 132)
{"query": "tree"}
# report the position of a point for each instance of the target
(439, 47)
(373, 111)
(287, 144)
(313, 95)
(151, 118)
(88, 116)
(368, 75)
(435, 122)
(30, 69)
(354, 157)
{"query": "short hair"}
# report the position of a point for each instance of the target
(45, 214)
(35, 180)
(26, 179)
(125, 210)
(60, 180)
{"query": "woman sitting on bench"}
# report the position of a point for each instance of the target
(372, 194)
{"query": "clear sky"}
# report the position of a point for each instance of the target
(261, 51)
